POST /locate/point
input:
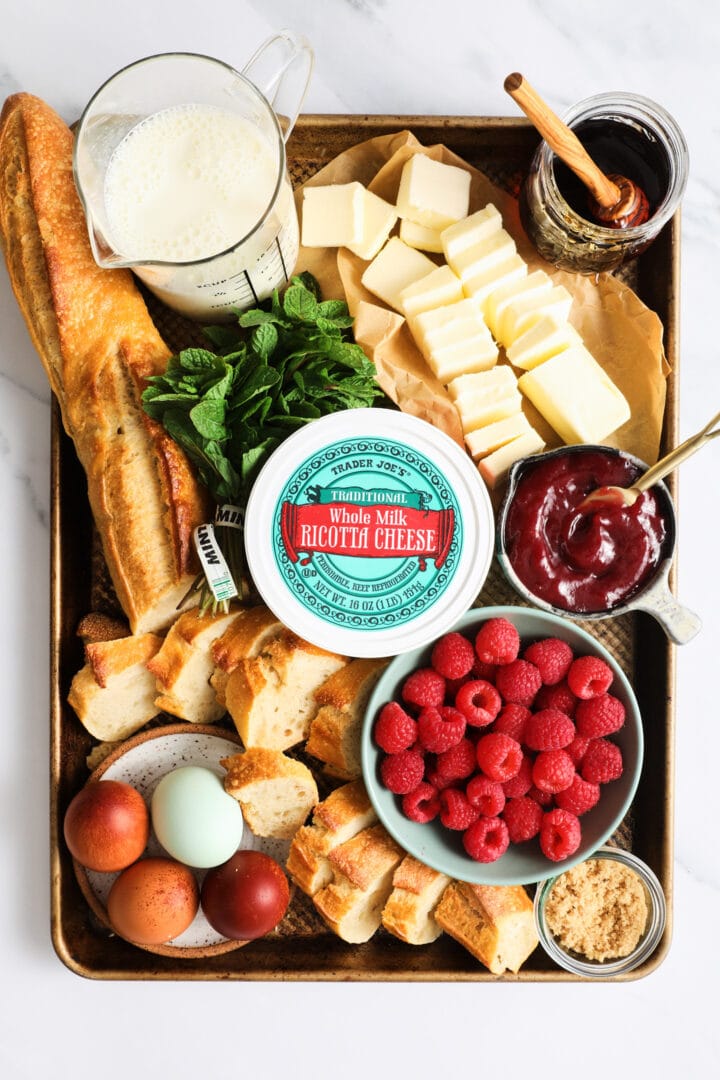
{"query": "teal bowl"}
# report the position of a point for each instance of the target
(522, 864)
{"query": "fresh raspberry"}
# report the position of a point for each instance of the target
(439, 729)
(556, 697)
(402, 772)
(518, 682)
(560, 834)
(552, 657)
(422, 804)
(600, 716)
(424, 687)
(395, 730)
(589, 676)
(521, 782)
(486, 839)
(511, 720)
(542, 798)
(479, 702)
(453, 656)
(497, 642)
(499, 756)
(553, 771)
(441, 782)
(602, 762)
(455, 810)
(577, 749)
(486, 795)
(549, 729)
(481, 670)
(451, 688)
(580, 797)
(458, 762)
(523, 817)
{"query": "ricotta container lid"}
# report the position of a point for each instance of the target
(369, 532)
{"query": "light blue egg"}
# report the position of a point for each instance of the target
(194, 818)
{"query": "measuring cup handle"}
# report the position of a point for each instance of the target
(281, 70)
(679, 623)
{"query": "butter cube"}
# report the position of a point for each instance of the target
(378, 218)
(523, 312)
(394, 268)
(432, 326)
(438, 287)
(496, 466)
(420, 237)
(471, 354)
(484, 397)
(432, 193)
(575, 396)
(536, 284)
(480, 287)
(454, 339)
(549, 335)
(332, 215)
(483, 260)
(502, 377)
(470, 232)
(485, 440)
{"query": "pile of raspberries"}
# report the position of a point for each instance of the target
(502, 743)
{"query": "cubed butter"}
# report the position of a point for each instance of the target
(525, 311)
(378, 218)
(394, 268)
(502, 377)
(420, 237)
(576, 397)
(485, 440)
(430, 325)
(548, 336)
(332, 215)
(536, 284)
(432, 193)
(469, 354)
(495, 467)
(480, 287)
(484, 397)
(470, 231)
(482, 261)
(441, 286)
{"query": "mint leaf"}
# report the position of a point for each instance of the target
(300, 304)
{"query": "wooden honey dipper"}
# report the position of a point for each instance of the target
(617, 202)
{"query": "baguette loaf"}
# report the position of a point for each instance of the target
(98, 344)
(493, 922)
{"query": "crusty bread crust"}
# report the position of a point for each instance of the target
(493, 922)
(409, 911)
(276, 792)
(184, 665)
(114, 693)
(334, 736)
(98, 344)
(344, 813)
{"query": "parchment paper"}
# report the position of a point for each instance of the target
(623, 335)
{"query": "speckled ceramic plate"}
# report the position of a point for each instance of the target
(142, 761)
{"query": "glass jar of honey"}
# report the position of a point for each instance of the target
(624, 134)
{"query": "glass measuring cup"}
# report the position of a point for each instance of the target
(180, 164)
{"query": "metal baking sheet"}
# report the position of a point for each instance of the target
(301, 949)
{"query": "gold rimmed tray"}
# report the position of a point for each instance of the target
(301, 948)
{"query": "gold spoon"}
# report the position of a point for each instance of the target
(616, 497)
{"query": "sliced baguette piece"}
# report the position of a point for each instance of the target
(344, 813)
(276, 792)
(334, 736)
(98, 345)
(114, 693)
(493, 922)
(244, 638)
(409, 911)
(271, 697)
(363, 870)
(184, 665)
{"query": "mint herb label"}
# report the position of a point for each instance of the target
(367, 533)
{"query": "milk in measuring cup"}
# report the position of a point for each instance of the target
(188, 183)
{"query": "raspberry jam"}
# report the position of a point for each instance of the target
(584, 561)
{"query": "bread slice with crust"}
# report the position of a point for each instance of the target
(271, 697)
(276, 792)
(494, 922)
(343, 814)
(244, 638)
(334, 736)
(114, 693)
(363, 868)
(409, 912)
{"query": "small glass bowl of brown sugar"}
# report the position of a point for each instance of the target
(603, 917)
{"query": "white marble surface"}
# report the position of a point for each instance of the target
(373, 56)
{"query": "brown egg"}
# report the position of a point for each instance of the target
(153, 901)
(106, 825)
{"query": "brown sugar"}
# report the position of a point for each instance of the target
(598, 909)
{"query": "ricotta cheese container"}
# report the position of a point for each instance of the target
(369, 532)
